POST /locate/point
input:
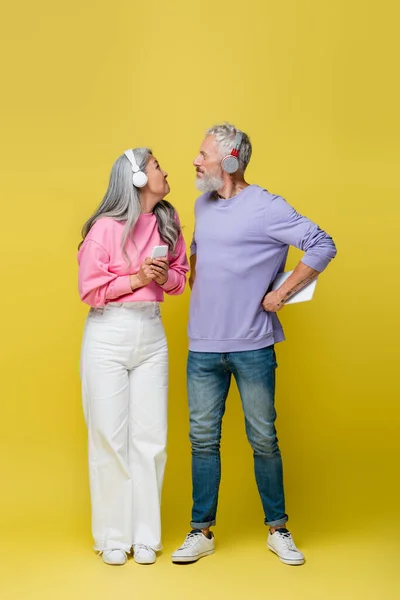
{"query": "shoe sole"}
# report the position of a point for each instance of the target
(149, 561)
(294, 562)
(115, 564)
(191, 559)
(143, 562)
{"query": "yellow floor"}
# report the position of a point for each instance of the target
(348, 566)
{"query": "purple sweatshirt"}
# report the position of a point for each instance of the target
(241, 245)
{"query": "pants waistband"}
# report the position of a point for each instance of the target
(151, 307)
(133, 304)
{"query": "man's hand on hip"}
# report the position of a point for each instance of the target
(273, 301)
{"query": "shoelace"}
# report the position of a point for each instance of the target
(287, 540)
(191, 538)
(142, 547)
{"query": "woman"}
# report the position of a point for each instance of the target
(124, 364)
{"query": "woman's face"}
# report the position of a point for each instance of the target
(157, 178)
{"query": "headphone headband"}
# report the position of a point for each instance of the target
(131, 157)
(139, 178)
(230, 163)
(237, 143)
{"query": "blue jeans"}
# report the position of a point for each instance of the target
(208, 377)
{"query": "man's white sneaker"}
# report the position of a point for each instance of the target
(144, 555)
(281, 542)
(114, 557)
(195, 546)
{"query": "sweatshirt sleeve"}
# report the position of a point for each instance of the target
(97, 285)
(178, 267)
(287, 226)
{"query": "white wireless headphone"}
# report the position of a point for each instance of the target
(230, 163)
(139, 178)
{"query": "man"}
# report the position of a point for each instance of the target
(241, 241)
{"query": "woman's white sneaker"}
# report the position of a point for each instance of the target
(144, 555)
(114, 557)
(281, 542)
(195, 546)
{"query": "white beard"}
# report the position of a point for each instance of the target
(209, 183)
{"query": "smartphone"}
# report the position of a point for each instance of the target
(159, 251)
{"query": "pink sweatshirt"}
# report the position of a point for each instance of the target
(104, 273)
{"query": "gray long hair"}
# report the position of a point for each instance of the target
(122, 203)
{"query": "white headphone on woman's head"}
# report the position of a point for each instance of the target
(230, 163)
(139, 178)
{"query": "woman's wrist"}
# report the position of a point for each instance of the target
(135, 282)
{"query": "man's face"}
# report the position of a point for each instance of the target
(208, 166)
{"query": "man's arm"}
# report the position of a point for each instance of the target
(192, 261)
(301, 276)
(192, 270)
(289, 227)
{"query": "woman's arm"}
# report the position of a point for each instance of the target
(97, 285)
(178, 268)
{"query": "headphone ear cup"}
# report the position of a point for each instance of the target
(230, 164)
(139, 179)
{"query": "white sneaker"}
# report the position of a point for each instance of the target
(114, 557)
(195, 546)
(144, 555)
(281, 542)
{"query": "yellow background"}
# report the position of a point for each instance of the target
(315, 84)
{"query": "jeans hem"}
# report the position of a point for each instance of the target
(203, 525)
(277, 523)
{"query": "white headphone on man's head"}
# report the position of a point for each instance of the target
(230, 163)
(139, 178)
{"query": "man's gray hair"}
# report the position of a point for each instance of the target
(225, 134)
